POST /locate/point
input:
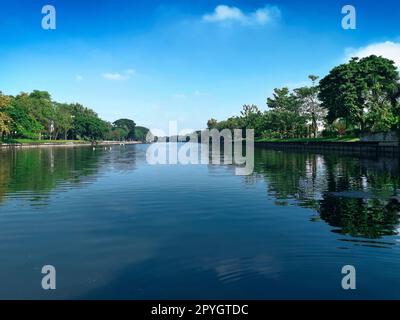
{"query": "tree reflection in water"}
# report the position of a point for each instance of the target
(36, 172)
(353, 195)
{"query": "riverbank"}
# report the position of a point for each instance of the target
(64, 143)
(339, 147)
(312, 140)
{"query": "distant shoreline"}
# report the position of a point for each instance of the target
(65, 144)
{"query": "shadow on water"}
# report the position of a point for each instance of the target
(356, 196)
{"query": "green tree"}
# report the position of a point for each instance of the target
(119, 134)
(141, 133)
(5, 120)
(212, 124)
(283, 99)
(24, 123)
(283, 124)
(348, 90)
(42, 108)
(380, 117)
(284, 119)
(126, 125)
(63, 120)
(87, 125)
(250, 119)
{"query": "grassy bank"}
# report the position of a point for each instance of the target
(31, 141)
(35, 142)
(307, 140)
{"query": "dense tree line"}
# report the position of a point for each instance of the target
(36, 116)
(359, 96)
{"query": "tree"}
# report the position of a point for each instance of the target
(251, 118)
(128, 126)
(212, 124)
(231, 124)
(5, 120)
(119, 134)
(87, 124)
(24, 123)
(379, 116)
(63, 120)
(282, 124)
(310, 106)
(340, 126)
(282, 99)
(35, 116)
(42, 108)
(284, 119)
(347, 91)
(141, 133)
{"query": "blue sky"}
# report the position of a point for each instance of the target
(156, 61)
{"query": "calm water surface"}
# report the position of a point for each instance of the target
(116, 227)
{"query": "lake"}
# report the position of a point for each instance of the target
(115, 227)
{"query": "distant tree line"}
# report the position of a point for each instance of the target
(359, 96)
(36, 116)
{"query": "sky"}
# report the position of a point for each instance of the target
(188, 61)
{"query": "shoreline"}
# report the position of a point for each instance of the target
(65, 144)
(358, 148)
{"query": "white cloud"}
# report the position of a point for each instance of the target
(266, 15)
(226, 14)
(223, 13)
(116, 76)
(388, 49)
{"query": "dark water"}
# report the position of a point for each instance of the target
(116, 227)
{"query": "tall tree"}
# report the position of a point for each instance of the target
(212, 123)
(24, 123)
(42, 108)
(282, 99)
(63, 120)
(128, 126)
(141, 133)
(380, 116)
(87, 124)
(5, 120)
(310, 106)
(347, 91)
(251, 118)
